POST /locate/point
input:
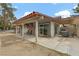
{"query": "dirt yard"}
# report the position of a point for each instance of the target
(13, 46)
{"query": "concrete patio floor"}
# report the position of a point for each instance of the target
(62, 44)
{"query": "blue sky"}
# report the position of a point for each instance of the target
(51, 9)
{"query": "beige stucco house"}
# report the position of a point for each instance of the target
(41, 25)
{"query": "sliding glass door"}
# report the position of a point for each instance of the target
(44, 29)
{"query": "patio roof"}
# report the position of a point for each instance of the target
(33, 14)
(75, 19)
(64, 21)
(58, 19)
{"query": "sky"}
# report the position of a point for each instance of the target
(50, 9)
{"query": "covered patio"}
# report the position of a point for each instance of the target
(40, 25)
(35, 25)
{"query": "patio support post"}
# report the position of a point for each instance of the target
(58, 29)
(52, 29)
(36, 30)
(16, 30)
(22, 31)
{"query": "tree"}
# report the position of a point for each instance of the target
(76, 10)
(7, 13)
(1, 22)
